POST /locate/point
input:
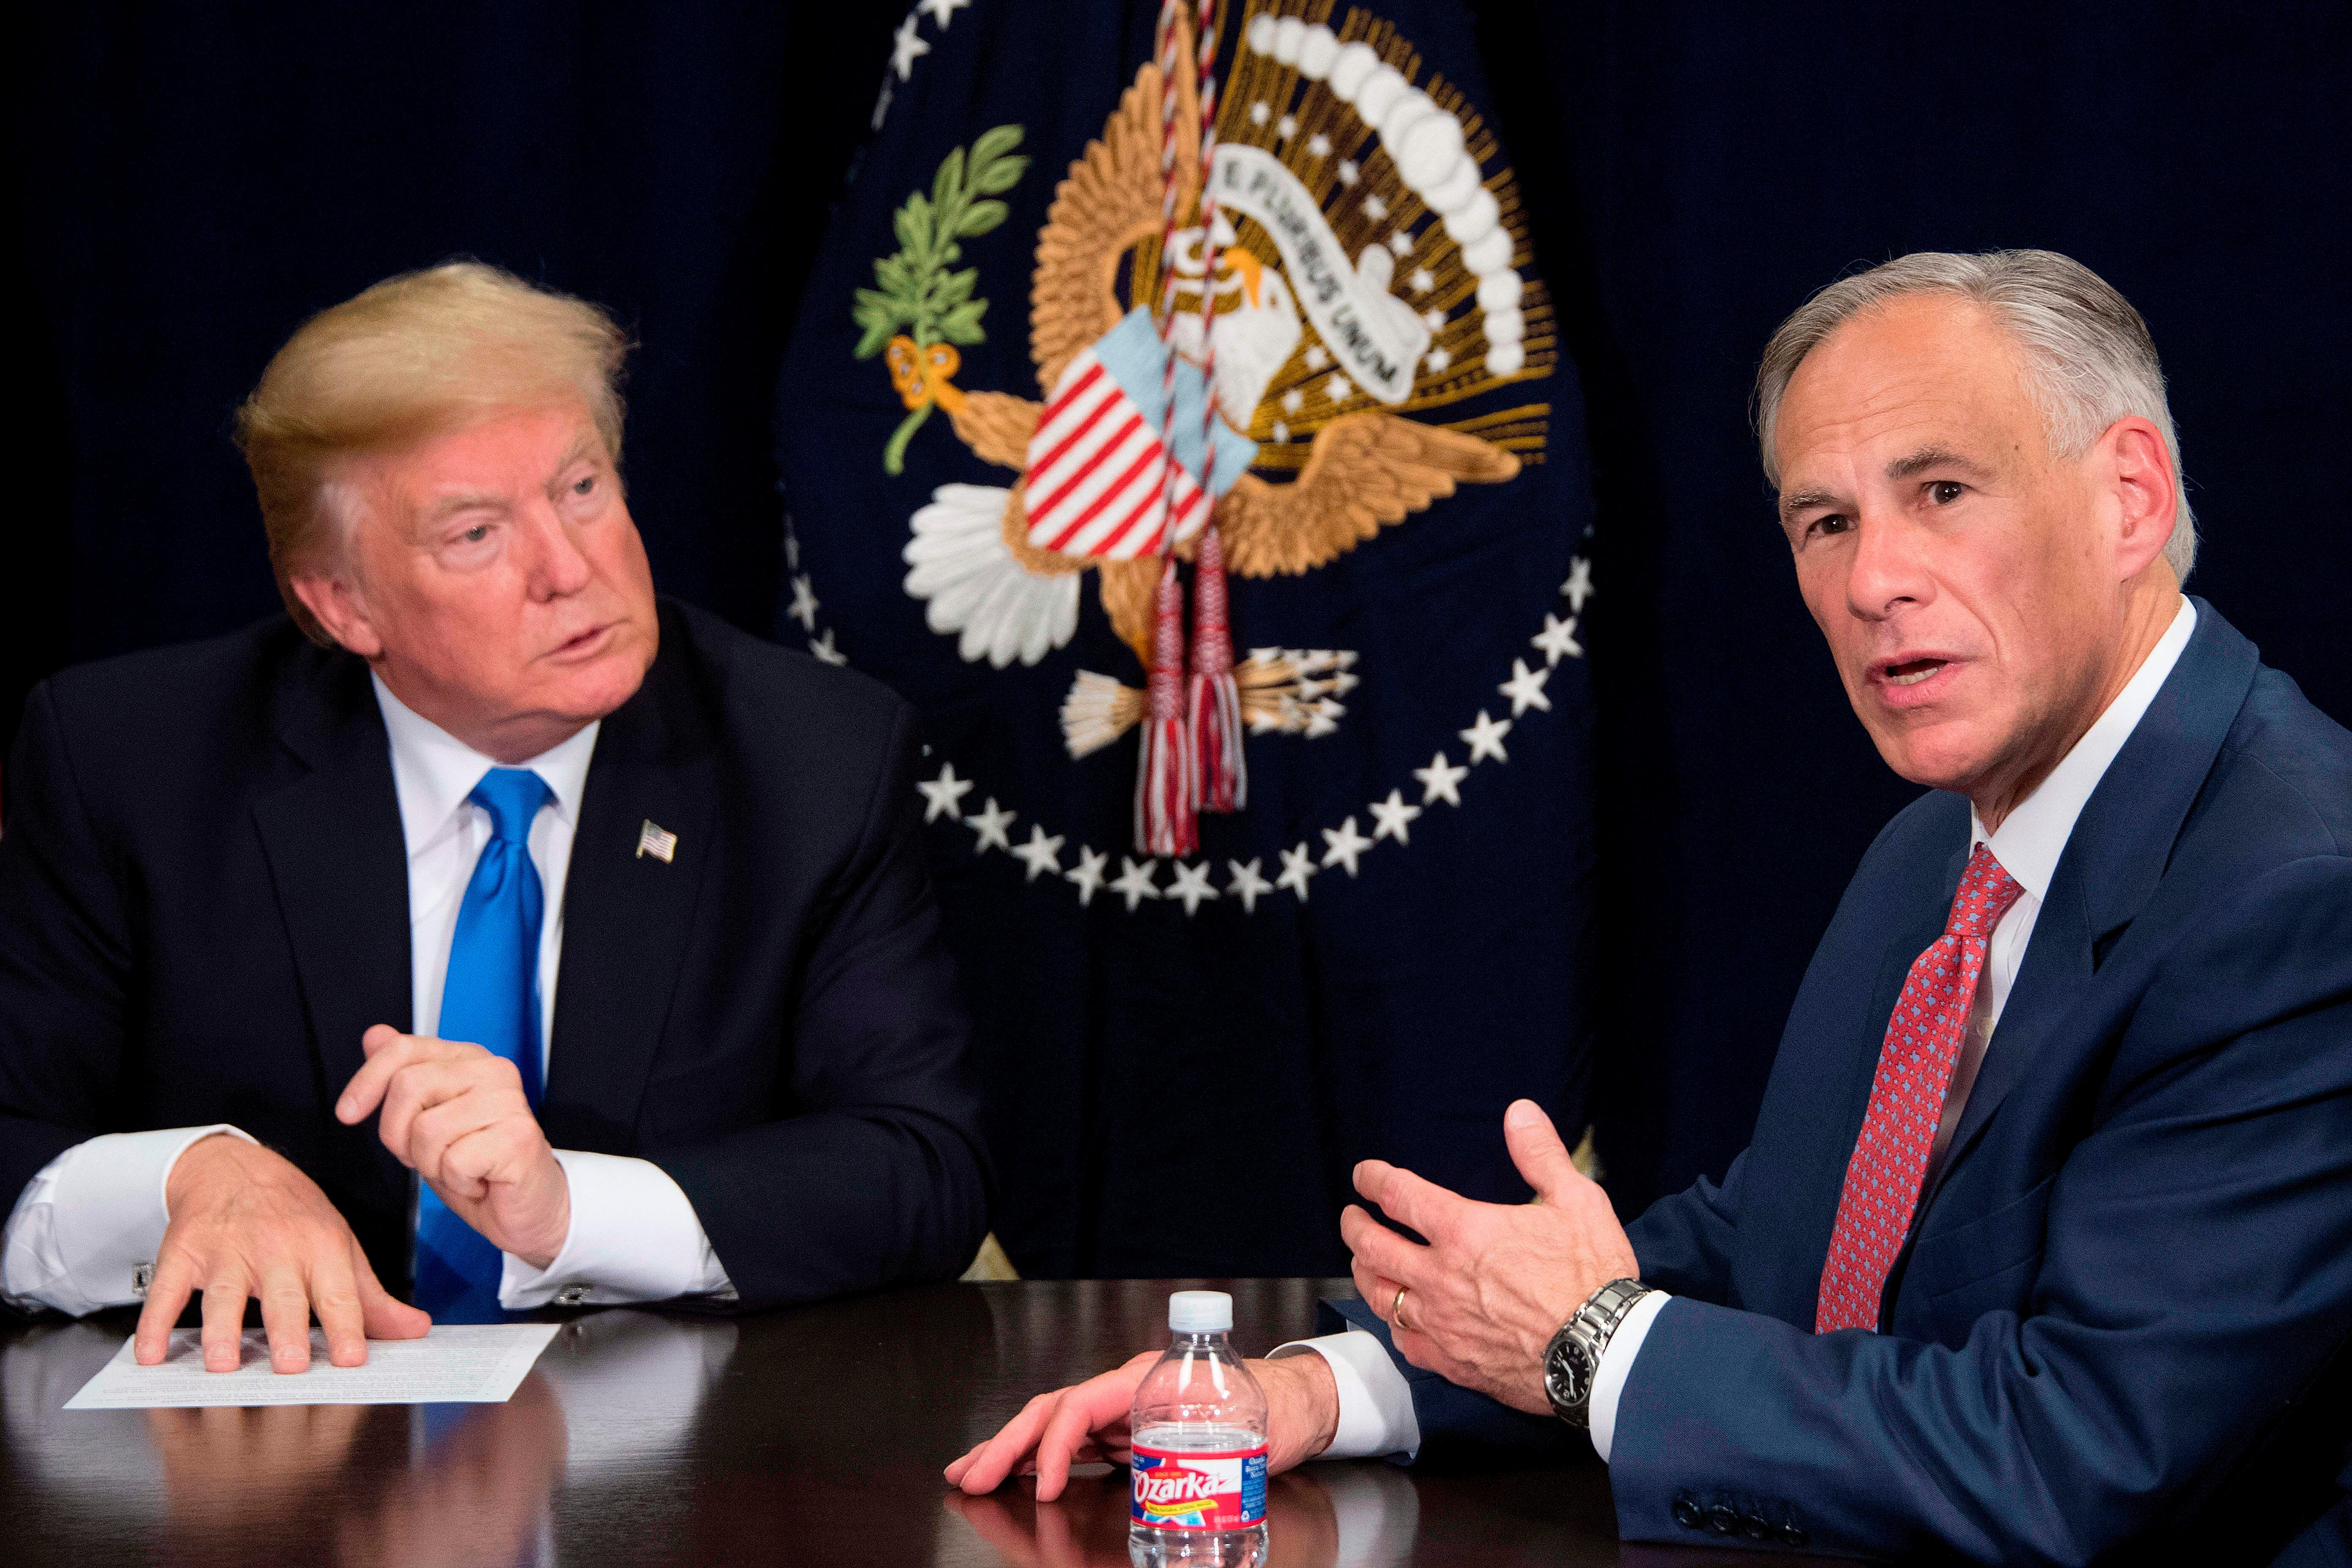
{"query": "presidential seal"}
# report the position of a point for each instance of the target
(1270, 316)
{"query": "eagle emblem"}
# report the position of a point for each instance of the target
(1280, 352)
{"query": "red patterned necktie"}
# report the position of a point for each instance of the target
(1906, 1100)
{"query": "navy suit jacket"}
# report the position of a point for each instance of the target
(2120, 1318)
(204, 904)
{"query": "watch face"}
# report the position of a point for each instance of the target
(1567, 1379)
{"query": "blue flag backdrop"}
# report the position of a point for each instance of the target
(1184, 1055)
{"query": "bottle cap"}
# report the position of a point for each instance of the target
(1201, 1312)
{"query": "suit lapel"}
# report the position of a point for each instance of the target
(1817, 1186)
(339, 865)
(626, 914)
(2114, 858)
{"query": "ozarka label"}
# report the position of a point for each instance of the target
(1186, 1490)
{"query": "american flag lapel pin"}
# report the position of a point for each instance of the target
(658, 842)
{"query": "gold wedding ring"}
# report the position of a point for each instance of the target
(1396, 1309)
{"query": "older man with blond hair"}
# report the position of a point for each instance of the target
(2042, 1251)
(487, 930)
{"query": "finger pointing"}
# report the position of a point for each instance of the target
(387, 1051)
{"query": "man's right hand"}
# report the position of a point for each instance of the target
(1087, 1421)
(247, 1222)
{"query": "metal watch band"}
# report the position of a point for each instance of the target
(1572, 1360)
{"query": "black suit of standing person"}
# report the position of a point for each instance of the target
(237, 877)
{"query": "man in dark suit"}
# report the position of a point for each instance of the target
(2042, 1248)
(608, 923)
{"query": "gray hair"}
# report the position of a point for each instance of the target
(2089, 360)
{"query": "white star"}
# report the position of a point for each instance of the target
(1558, 640)
(1287, 127)
(821, 645)
(1437, 359)
(1375, 208)
(1135, 882)
(1293, 400)
(1298, 865)
(1323, 718)
(1485, 739)
(1280, 432)
(945, 793)
(990, 824)
(1191, 885)
(1525, 688)
(1347, 170)
(1087, 873)
(1423, 280)
(791, 550)
(906, 48)
(1319, 145)
(1441, 781)
(1434, 319)
(1578, 587)
(1401, 243)
(1261, 111)
(1339, 389)
(1393, 817)
(804, 606)
(1316, 356)
(1041, 854)
(942, 10)
(1247, 884)
(1343, 845)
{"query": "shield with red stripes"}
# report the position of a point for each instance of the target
(1097, 470)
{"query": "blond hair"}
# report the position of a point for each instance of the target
(415, 356)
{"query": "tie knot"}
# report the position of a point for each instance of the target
(1986, 892)
(512, 796)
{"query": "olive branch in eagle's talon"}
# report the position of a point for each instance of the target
(920, 293)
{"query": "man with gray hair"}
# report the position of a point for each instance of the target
(2041, 1250)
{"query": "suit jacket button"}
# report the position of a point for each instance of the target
(1755, 1526)
(1723, 1519)
(1792, 1535)
(1686, 1513)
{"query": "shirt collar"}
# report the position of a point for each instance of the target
(2034, 833)
(434, 771)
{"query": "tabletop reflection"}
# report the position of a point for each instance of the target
(1324, 1516)
(608, 1411)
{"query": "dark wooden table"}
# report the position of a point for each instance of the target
(813, 1434)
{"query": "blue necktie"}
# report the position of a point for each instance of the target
(491, 999)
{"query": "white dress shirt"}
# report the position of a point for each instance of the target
(95, 1214)
(1376, 1414)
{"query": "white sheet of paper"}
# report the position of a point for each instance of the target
(470, 1363)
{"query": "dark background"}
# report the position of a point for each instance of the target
(189, 186)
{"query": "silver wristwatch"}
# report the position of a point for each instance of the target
(1574, 1360)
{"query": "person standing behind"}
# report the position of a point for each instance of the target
(613, 921)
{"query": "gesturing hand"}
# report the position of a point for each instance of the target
(1087, 1421)
(245, 1222)
(1496, 1281)
(458, 1116)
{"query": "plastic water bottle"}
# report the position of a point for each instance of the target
(1199, 1429)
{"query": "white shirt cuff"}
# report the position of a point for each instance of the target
(1376, 1414)
(634, 1238)
(1616, 1365)
(92, 1218)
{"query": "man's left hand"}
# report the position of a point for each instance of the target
(1496, 1281)
(458, 1116)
